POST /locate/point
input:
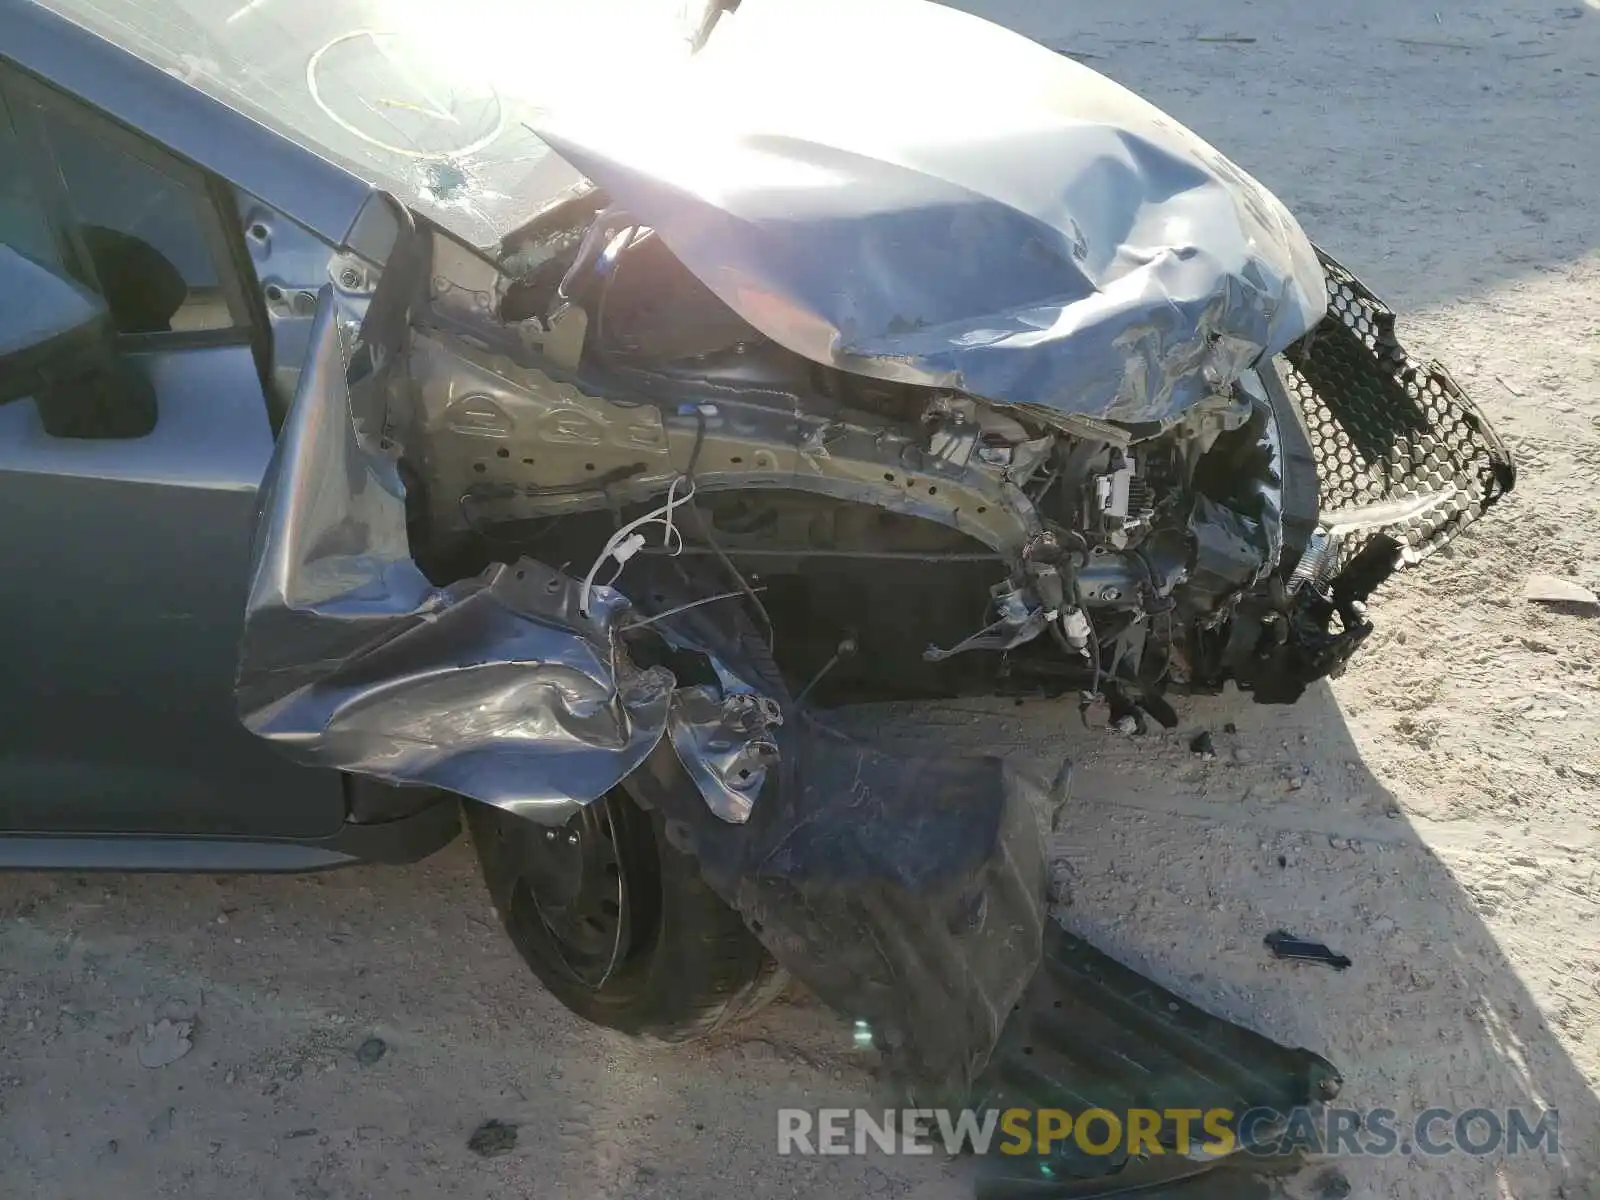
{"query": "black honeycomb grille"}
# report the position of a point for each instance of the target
(1386, 429)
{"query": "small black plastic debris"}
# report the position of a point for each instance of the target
(1230, 727)
(1283, 862)
(1286, 945)
(371, 1050)
(1202, 745)
(1330, 1185)
(493, 1138)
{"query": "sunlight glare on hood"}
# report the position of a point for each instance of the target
(543, 53)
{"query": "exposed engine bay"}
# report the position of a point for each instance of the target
(792, 409)
(907, 540)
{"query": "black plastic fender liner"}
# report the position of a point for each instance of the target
(906, 891)
(905, 887)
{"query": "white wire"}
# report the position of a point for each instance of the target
(671, 538)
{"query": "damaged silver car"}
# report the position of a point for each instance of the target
(618, 436)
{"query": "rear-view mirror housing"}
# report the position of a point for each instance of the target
(57, 346)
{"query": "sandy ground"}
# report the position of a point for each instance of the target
(1443, 832)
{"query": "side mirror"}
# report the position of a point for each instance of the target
(57, 345)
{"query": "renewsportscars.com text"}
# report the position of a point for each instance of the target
(1185, 1131)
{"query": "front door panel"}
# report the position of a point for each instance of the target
(123, 572)
(125, 561)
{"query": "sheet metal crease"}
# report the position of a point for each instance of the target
(497, 688)
(1048, 239)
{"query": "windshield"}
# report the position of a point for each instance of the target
(425, 98)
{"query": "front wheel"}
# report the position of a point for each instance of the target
(617, 924)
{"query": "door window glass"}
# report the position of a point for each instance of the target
(23, 224)
(144, 232)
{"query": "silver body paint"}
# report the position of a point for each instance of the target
(1029, 232)
(496, 688)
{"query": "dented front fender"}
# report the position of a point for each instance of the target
(498, 688)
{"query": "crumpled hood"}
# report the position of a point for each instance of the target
(912, 193)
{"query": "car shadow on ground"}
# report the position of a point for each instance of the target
(1179, 865)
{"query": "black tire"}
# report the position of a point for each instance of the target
(681, 964)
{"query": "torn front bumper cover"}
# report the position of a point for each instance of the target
(1403, 454)
(1093, 1035)
(1405, 462)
